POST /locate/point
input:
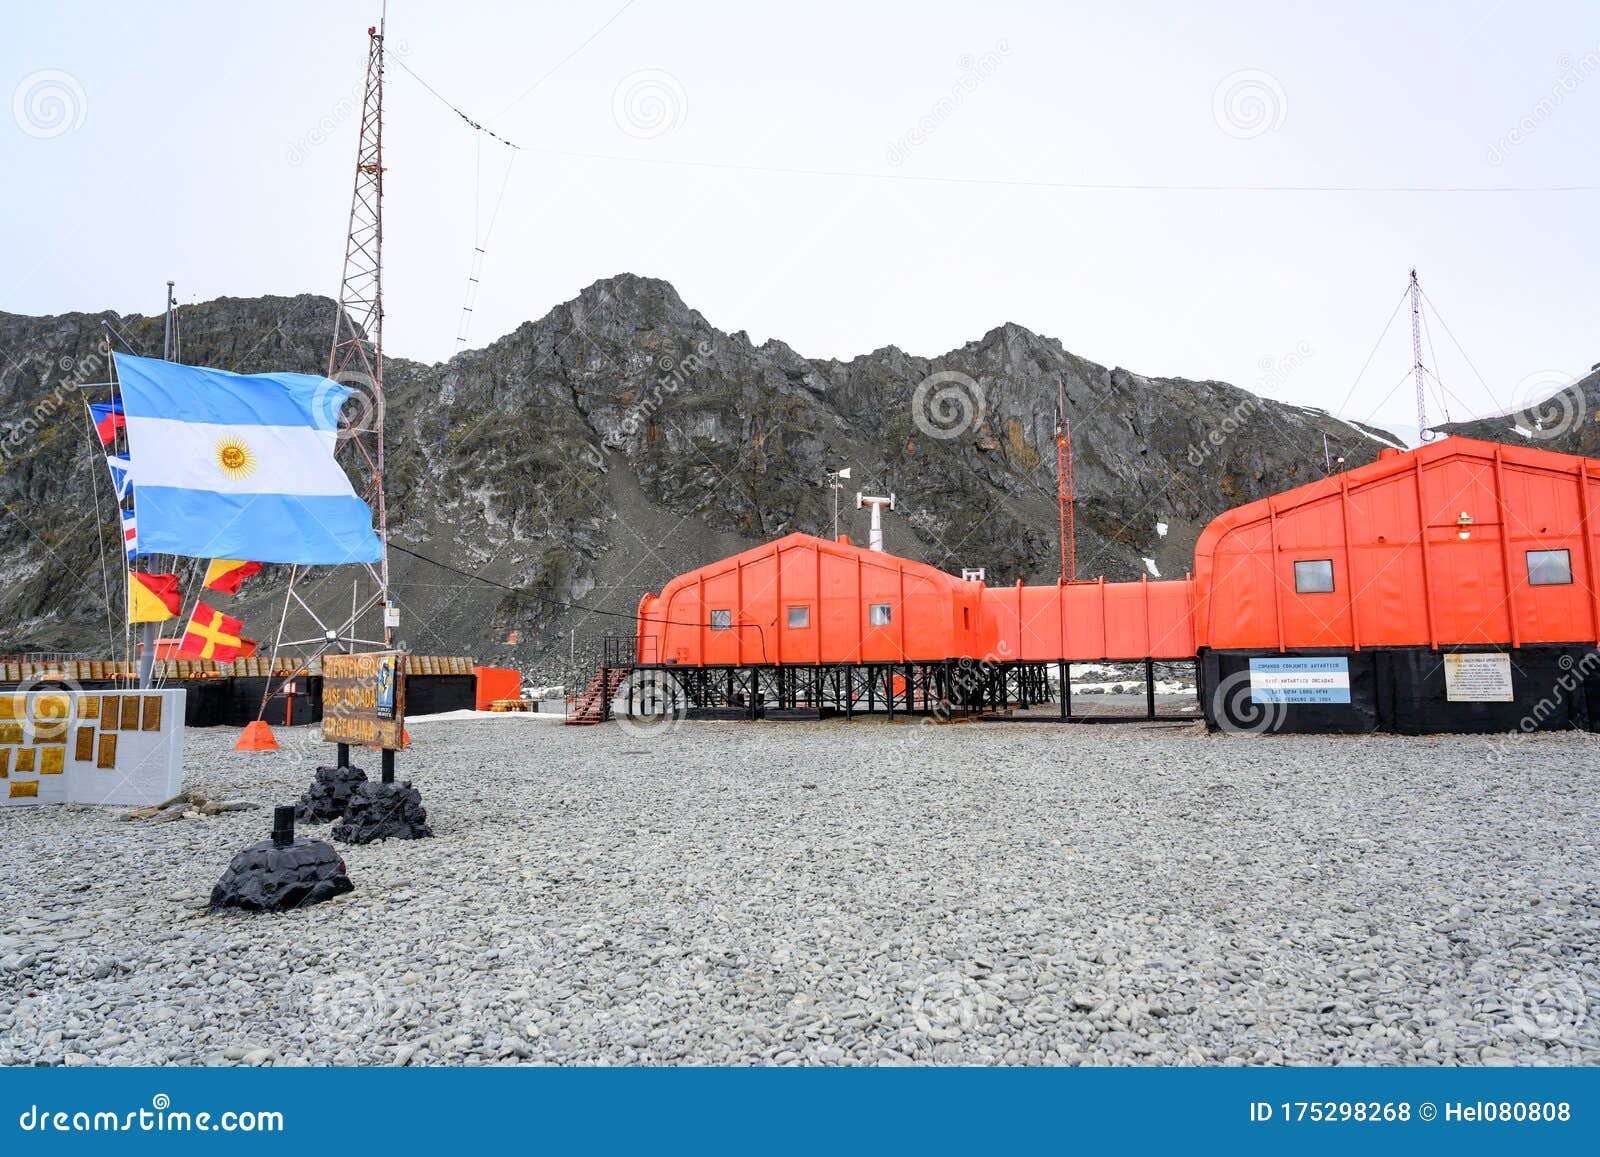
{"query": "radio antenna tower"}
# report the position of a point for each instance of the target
(356, 359)
(1423, 432)
(1066, 497)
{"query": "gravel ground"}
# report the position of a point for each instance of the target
(843, 893)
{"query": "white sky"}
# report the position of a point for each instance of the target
(195, 149)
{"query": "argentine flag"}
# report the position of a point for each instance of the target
(241, 465)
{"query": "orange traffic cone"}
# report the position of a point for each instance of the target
(257, 736)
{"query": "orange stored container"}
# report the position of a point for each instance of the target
(496, 683)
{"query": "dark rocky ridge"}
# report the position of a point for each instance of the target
(1565, 419)
(621, 439)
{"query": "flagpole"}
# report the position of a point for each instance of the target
(147, 631)
(122, 494)
(100, 528)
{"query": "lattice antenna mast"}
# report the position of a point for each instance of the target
(1066, 497)
(356, 359)
(1423, 432)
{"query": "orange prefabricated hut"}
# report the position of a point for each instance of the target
(1454, 587)
(1451, 587)
(805, 600)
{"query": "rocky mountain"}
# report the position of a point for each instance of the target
(589, 456)
(1556, 416)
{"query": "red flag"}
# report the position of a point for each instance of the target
(108, 419)
(226, 574)
(214, 635)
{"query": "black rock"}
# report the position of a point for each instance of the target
(328, 794)
(268, 878)
(383, 811)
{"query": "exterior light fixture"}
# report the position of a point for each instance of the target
(1464, 526)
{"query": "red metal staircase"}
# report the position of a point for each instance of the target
(591, 706)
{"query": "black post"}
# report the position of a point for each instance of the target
(1149, 688)
(283, 825)
(388, 765)
(344, 755)
(1066, 685)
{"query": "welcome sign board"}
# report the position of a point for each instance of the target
(364, 698)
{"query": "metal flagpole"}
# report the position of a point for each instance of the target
(147, 631)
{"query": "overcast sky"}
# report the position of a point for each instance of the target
(845, 176)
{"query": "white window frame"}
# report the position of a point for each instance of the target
(1566, 559)
(1314, 590)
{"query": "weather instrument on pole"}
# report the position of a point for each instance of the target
(875, 539)
(837, 479)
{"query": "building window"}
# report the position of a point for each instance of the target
(799, 618)
(1313, 576)
(878, 614)
(721, 620)
(1549, 568)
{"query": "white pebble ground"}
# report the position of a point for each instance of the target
(842, 893)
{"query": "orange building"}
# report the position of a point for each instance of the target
(1451, 587)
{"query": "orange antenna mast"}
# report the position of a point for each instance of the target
(1065, 496)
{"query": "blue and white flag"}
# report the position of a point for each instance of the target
(241, 465)
(130, 536)
(121, 475)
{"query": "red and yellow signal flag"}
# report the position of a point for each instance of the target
(216, 636)
(227, 574)
(153, 598)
